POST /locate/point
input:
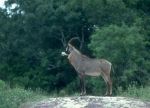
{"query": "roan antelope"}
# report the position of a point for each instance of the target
(87, 66)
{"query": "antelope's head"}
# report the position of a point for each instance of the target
(69, 47)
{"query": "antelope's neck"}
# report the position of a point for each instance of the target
(75, 58)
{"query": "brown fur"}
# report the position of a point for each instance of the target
(92, 67)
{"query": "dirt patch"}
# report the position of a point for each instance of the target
(89, 102)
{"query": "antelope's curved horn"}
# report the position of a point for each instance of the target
(73, 39)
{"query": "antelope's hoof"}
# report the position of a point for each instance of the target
(110, 94)
(106, 94)
(82, 94)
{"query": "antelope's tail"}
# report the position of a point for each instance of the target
(114, 72)
(112, 69)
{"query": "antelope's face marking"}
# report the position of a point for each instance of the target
(69, 48)
(64, 54)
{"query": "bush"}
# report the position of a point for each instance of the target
(2, 85)
(125, 47)
(13, 98)
(134, 91)
(62, 93)
(95, 85)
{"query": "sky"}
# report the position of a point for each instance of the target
(2, 3)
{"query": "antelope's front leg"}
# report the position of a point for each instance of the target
(82, 82)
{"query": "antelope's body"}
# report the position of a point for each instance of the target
(87, 66)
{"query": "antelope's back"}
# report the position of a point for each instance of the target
(94, 67)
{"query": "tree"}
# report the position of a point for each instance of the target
(105, 12)
(125, 48)
(33, 34)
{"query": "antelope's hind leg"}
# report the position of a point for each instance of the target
(106, 83)
(109, 82)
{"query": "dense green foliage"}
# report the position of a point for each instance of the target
(35, 32)
(14, 97)
(125, 47)
(134, 91)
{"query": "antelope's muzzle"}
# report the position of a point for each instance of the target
(64, 54)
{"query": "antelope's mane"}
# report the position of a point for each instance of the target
(79, 52)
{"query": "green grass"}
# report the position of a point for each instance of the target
(14, 97)
(135, 91)
(17, 96)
